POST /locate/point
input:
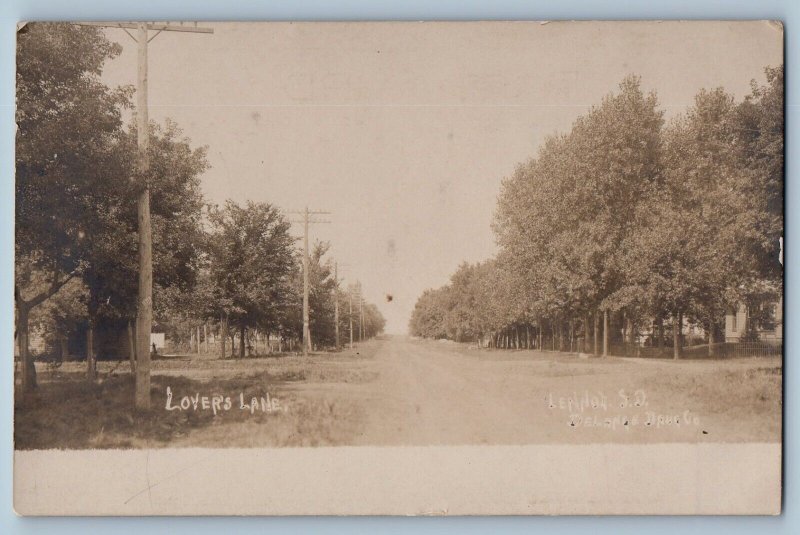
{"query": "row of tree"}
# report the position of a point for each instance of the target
(629, 222)
(76, 244)
(250, 283)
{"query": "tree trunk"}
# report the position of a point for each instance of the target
(561, 335)
(197, 337)
(596, 333)
(131, 346)
(711, 337)
(25, 357)
(223, 336)
(571, 335)
(625, 331)
(633, 335)
(676, 336)
(64, 349)
(586, 334)
(528, 337)
(242, 332)
(540, 335)
(605, 333)
(205, 336)
(629, 331)
(91, 367)
(660, 328)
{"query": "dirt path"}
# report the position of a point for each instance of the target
(427, 395)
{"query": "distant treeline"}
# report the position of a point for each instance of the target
(630, 220)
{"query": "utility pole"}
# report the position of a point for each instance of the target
(336, 301)
(353, 290)
(144, 301)
(306, 321)
(350, 301)
(361, 313)
(306, 261)
(336, 292)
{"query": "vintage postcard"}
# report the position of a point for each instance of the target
(403, 268)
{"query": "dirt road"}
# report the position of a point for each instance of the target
(426, 393)
(398, 391)
(441, 393)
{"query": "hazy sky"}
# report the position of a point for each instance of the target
(405, 130)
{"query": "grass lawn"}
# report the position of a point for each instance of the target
(735, 400)
(67, 412)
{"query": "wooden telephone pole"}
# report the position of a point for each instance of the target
(354, 291)
(360, 314)
(144, 301)
(350, 302)
(360, 297)
(336, 302)
(306, 261)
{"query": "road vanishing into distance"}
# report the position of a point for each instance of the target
(433, 393)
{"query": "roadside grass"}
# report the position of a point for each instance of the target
(735, 399)
(66, 412)
(743, 404)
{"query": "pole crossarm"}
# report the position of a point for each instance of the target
(310, 221)
(155, 26)
(307, 211)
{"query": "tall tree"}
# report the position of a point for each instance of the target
(321, 288)
(759, 141)
(57, 176)
(252, 262)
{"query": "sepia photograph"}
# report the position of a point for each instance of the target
(528, 267)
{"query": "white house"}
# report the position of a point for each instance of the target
(769, 330)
